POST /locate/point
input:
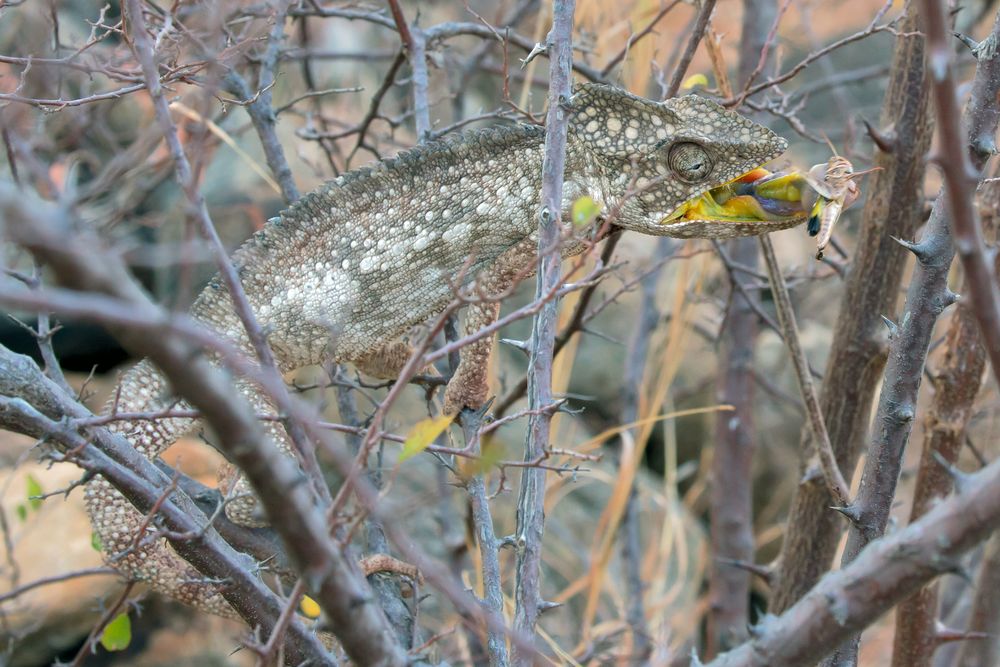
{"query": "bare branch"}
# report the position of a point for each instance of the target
(531, 499)
(882, 574)
(926, 297)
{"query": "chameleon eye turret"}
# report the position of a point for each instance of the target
(689, 162)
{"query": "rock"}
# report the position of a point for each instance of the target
(53, 537)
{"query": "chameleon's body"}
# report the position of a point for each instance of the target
(351, 267)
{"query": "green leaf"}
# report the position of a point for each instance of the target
(22, 511)
(584, 211)
(422, 435)
(492, 453)
(117, 634)
(95, 541)
(34, 489)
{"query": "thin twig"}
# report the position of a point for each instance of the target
(704, 16)
(835, 482)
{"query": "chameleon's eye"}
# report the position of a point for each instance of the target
(689, 161)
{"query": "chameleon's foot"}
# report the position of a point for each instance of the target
(385, 563)
(465, 392)
(242, 506)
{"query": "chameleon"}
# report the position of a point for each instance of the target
(349, 269)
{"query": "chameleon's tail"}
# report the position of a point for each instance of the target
(126, 545)
(140, 558)
(126, 541)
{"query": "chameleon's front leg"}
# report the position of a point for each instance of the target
(469, 386)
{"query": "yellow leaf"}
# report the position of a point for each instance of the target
(584, 211)
(309, 607)
(695, 80)
(422, 435)
(117, 634)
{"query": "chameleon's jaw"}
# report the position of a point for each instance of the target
(755, 203)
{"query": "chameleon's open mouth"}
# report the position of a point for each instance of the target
(757, 196)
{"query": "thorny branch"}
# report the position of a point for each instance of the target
(928, 295)
(846, 601)
(858, 351)
(956, 383)
(960, 171)
(531, 499)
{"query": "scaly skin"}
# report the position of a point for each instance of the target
(352, 266)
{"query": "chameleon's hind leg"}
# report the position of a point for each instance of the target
(242, 505)
(117, 525)
(469, 386)
(387, 362)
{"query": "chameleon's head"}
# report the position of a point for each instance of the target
(658, 157)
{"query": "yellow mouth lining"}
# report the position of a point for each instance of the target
(755, 196)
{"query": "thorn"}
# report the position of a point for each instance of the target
(918, 249)
(886, 141)
(968, 41)
(812, 475)
(891, 326)
(522, 345)
(485, 408)
(944, 634)
(984, 50)
(765, 572)
(984, 146)
(959, 479)
(838, 608)
(536, 50)
(852, 512)
(473, 419)
(756, 630)
(950, 297)
(545, 606)
(903, 413)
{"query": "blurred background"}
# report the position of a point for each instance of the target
(60, 59)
